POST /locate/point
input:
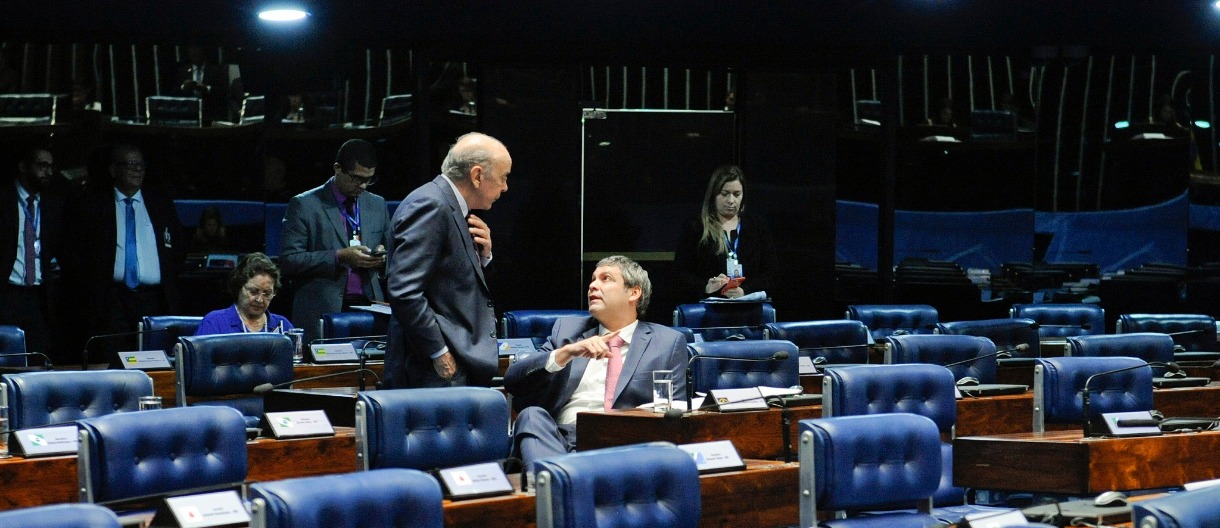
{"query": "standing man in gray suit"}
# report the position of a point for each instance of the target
(443, 329)
(335, 238)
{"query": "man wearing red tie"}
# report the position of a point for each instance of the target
(594, 363)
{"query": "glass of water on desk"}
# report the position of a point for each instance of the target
(4, 432)
(297, 335)
(662, 390)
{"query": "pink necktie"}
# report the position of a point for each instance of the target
(613, 368)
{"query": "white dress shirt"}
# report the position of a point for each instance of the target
(590, 394)
(146, 240)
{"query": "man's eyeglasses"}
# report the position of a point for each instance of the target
(363, 181)
(44, 165)
(131, 165)
(255, 293)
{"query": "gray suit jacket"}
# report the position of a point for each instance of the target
(313, 231)
(653, 347)
(437, 292)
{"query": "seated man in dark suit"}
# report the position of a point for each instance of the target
(575, 371)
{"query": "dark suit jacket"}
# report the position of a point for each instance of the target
(50, 218)
(437, 291)
(653, 347)
(313, 231)
(91, 237)
(215, 102)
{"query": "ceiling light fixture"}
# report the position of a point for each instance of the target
(282, 15)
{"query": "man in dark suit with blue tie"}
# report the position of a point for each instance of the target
(596, 363)
(443, 328)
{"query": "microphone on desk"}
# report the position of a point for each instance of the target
(364, 359)
(268, 387)
(819, 362)
(1005, 353)
(46, 361)
(321, 340)
(1188, 332)
(1082, 326)
(84, 357)
(690, 385)
(1089, 430)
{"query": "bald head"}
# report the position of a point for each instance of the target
(478, 165)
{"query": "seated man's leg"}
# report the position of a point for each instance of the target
(537, 436)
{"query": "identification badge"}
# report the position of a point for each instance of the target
(732, 267)
(355, 241)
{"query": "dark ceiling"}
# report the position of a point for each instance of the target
(637, 30)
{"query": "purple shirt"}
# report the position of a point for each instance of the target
(355, 283)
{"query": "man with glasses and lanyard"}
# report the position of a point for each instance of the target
(334, 240)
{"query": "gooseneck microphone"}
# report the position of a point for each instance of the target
(1090, 430)
(84, 357)
(268, 387)
(364, 360)
(690, 384)
(1006, 353)
(46, 361)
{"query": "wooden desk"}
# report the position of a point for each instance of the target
(1064, 462)
(756, 434)
(163, 380)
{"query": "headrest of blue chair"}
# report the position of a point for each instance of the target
(353, 324)
(708, 374)
(1195, 332)
(43, 398)
(383, 497)
(1063, 320)
(885, 319)
(161, 332)
(431, 428)
(225, 364)
(1058, 383)
(60, 516)
(854, 462)
(719, 321)
(841, 341)
(12, 341)
(941, 349)
(534, 324)
(1005, 333)
(922, 389)
(128, 455)
(1148, 346)
(653, 485)
(1187, 509)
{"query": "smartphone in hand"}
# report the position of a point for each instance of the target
(733, 283)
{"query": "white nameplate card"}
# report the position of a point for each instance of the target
(804, 365)
(222, 508)
(996, 519)
(713, 457)
(334, 353)
(1200, 484)
(45, 441)
(738, 399)
(516, 346)
(479, 480)
(144, 360)
(296, 424)
(1134, 423)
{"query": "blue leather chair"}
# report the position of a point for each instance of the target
(352, 324)
(645, 485)
(1188, 509)
(1148, 346)
(1007, 334)
(943, 350)
(884, 320)
(129, 455)
(534, 324)
(841, 341)
(35, 399)
(1063, 320)
(12, 341)
(60, 516)
(709, 374)
(1058, 383)
(1196, 333)
(720, 321)
(430, 428)
(922, 389)
(855, 463)
(402, 498)
(227, 365)
(161, 332)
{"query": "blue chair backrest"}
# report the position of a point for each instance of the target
(1058, 383)
(922, 389)
(1187, 509)
(1063, 320)
(709, 374)
(402, 498)
(842, 341)
(60, 516)
(12, 341)
(637, 486)
(162, 331)
(534, 324)
(857, 462)
(718, 321)
(1199, 330)
(35, 399)
(232, 364)
(353, 324)
(128, 455)
(1005, 333)
(885, 319)
(943, 350)
(431, 428)
(1148, 346)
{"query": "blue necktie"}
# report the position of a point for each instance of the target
(131, 268)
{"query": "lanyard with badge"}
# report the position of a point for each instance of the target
(353, 223)
(731, 265)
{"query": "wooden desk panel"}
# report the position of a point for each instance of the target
(756, 434)
(1063, 462)
(163, 380)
